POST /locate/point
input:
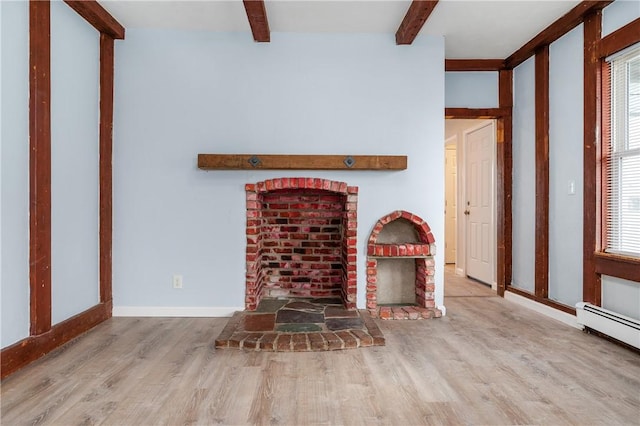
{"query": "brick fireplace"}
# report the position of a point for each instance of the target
(301, 240)
(401, 268)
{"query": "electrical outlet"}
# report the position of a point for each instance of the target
(177, 281)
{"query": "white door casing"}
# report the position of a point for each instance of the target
(451, 205)
(479, 165)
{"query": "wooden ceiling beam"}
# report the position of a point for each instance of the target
(557, 29)
(97, 16)
(473, 64)
(257, 15)
(413, 21)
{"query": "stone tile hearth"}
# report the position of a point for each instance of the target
(300, 325)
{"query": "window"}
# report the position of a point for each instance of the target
(622, 156)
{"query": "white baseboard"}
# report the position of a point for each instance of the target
(548, 311)
(171, 311)
(460, 272)
(443, 309)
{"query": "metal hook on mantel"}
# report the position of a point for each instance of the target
(254, 160)
(349, 161)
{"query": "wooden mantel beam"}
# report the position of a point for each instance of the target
(257, 15)
(301, 162)
(413, 21)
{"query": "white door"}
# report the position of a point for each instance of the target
(479, 203)
(450, 204)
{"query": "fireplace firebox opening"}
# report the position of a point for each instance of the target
(301, 240)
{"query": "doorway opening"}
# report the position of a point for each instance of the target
(470, 198)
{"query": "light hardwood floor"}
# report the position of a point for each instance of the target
(488, 361)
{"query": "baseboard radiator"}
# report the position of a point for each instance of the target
(612, 324)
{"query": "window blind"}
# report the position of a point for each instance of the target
(622, 156)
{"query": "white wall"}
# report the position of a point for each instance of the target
(524, 190)
(618, 14)
(181, 93)
(471, 89)
(621, 296)
(75, 53)
(14, 158)
(565, 166)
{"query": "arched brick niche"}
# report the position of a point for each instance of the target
(301, 240)
(397, 241)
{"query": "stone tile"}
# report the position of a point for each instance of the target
(298, 328)
(299, 342)
(350, 341)
(289, 316)
(259, 322)
(304, 306)
(334, 324)
(283, 343)
(339, 312)
(267, 341)
(271, 305)
(328, 301)
(333, 341)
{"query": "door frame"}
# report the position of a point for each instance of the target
(462, 182)
(504, 166)
(453, 141)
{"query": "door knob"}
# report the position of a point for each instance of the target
(467, 212)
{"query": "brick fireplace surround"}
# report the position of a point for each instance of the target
(421, 249)
(301, 240)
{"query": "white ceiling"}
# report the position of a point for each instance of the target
(472, 28)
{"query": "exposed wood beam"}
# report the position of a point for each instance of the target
(301, 162)
(20, 354)
(560, 27)
(473, 64)
(40, 167)
(257, 15)
(505, 183)
(106, 174)
(414, 20)
(97, 16)
(627, 268)
(542, 173)
(591, 132)
(552, 303)
(620, 39)
(476, 112)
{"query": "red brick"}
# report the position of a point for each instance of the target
(300, 342)
(333, 341)
(283, 343)
(350, 341)
(364, 337)
(398, 313)
(385, 313)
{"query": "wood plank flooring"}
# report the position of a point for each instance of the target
(488, 361)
